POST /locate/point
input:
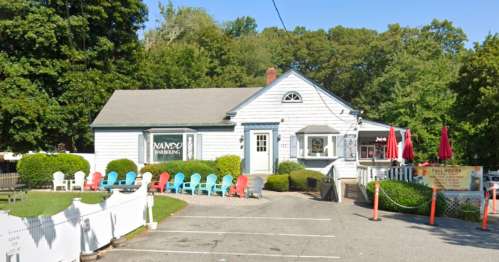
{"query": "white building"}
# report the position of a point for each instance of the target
(292, 118)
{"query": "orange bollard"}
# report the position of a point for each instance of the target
(485, 214)
(433, 204)
(376, 199)
(494, 211)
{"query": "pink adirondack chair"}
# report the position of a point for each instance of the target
(96, 177)
(242, 182)
(161, 184)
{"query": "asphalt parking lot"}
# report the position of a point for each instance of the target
(290, 228)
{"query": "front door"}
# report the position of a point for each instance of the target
(261, 153)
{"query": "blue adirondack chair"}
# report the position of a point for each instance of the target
(176, 183)
(224, 187)
(129, 179)
(211, 180)
(195, 179)
(111, 180)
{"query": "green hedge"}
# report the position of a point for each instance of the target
(468, 212)
(37, 169)
(279, 183)
(202, 167)
(298, 179)
(229, 164)
(287, 167)
(121, 166)
(406, 194)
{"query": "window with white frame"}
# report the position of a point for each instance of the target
(317, 146)
(292, 97)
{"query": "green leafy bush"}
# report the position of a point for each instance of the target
(287, 167)
(121, 166)
(468, 212)
(229, 164)
(204, 168)
(279, 183)
(37, 169)
(298, 179)
(407, 194)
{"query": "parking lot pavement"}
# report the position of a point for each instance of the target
(289, 228)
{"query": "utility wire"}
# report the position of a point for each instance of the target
(85, 61)
(277, 10)
(70, 37)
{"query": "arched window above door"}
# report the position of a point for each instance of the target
(292, 97)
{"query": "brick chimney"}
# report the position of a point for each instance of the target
(271, 75)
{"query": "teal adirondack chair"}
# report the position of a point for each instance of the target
(111, 180)
(224, 187)
(211, 180)
(195, 179)
(176, 183)
(129, 179)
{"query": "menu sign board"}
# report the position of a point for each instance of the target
(167, 148)
(460, 178)
(350, 147)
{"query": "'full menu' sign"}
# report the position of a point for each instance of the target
(167, 148)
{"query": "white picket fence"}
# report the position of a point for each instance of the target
(337, 182)
(79, 228)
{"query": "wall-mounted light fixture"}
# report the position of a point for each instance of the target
(279, 138)
(241, 139)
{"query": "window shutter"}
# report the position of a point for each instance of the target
(199, 145)
(292, 147)
(141, 149)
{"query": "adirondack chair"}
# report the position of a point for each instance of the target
(79, 181)
(195, 179)
(224, 187)
(129, 179)
(256, 187)
(161, 184)
(242, 182)
(176, 183)
(211, 180)
(59, 181)
(95, 183)
(111, 180)
(146, 178)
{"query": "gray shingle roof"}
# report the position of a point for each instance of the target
(317, 129)
(172, 107)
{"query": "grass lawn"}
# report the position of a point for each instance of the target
(51, 203)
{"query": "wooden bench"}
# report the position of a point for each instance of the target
(12, 193)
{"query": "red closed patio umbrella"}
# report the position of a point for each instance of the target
(391, 150)
(444, 152)
(408, 150)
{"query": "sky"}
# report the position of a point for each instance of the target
(476, 18)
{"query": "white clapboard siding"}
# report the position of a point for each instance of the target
(268, 107)
(115, 144)
(217, 142)
(62, 237)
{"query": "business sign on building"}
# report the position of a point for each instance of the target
(460, 178)
(167, 148)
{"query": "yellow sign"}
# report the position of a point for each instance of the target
(450, 178)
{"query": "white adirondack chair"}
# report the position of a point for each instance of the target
(79, 181)
(146, 179)
(59, 181)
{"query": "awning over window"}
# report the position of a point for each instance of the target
(317, 129)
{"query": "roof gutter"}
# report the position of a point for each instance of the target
(164, 125)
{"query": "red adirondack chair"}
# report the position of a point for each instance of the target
(161, 184)
(242, 182)
(96, 177)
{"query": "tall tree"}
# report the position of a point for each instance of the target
(63, 60)
(476, 110)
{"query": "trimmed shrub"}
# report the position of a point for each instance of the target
(287, 167)
(121, 166)
(229, 164)
(279, 183)
(204, 168)
(298, 179)
(468, 212)
(36, 170)
(407, 194)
